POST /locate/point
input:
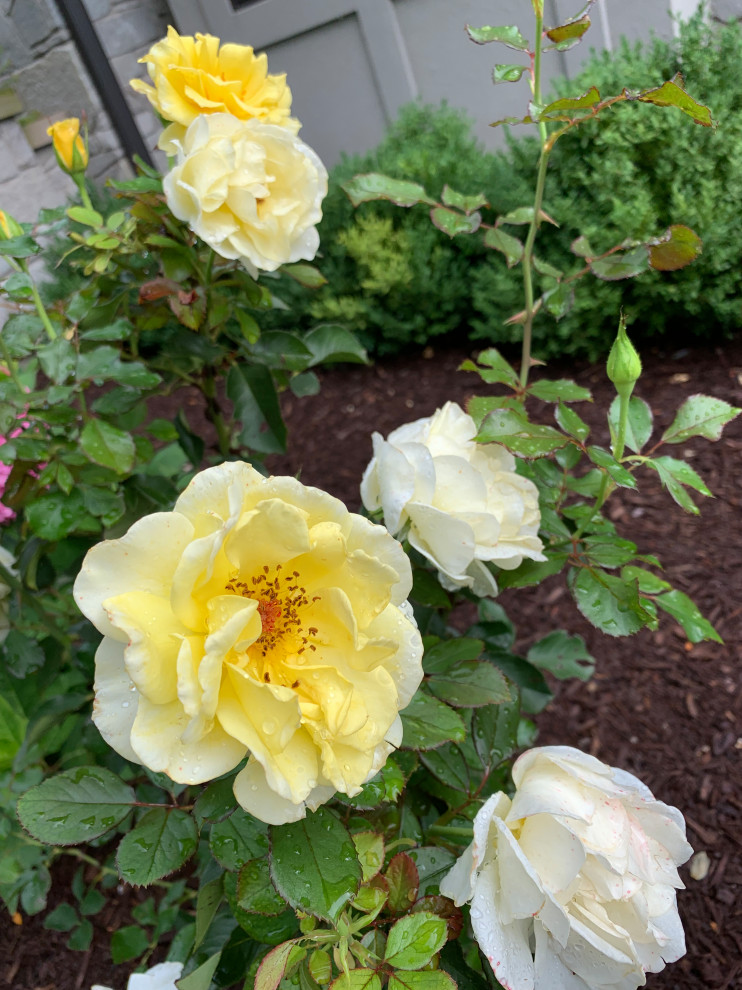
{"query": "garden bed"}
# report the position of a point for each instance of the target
(657, 706)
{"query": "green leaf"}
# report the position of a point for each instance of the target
(572, 31)
(414, 940)
(429, 723)
(58, 360)
(467, 204)
(370, 852)
(449, 766)
(494, 731)
(512, 429)
(510, 246)
(305, 383)
(128, 943)
(608, 550)
(531, 572)
(639, 423)
(372, 185)
(273, 966)
(104, 364)
(430, 979)
(622, 264)
(569, 103)
(12, 730)
(306, 275)
(453, 223)
(609, 603)
(357, 979)
(253, 392)
(571, 423)
(686, 612)
(53, 516)
(507, 34)
(507, 73)
(108, 445)
(403, 882)
(85, 215)
(674, 474)
(159, 844)
(432, 864)
(677, 247)
(62, 919)
(606, 460)
(648, 583)
(470, 685)
(535, 693)
(582, 248)
(314, 864)
(387, 785)
(21, 654)
(207, 903)
(22, 246)
(75, 806)
(237, 839)
(671, 94)
(19, 285)
(426, 590)
(81, 937)
(331, 344)
(201, 977)
(563, 656)
(440, 656)
(700, 416)
(255, 891)
(559, 300)
(492, 368)
(559, 390)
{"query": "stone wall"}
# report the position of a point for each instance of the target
(42, 79)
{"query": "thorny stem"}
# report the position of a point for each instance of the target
(536, 218)
(43, 315)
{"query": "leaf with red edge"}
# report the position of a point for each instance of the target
(274, 965)
(403, 880)
(677, 247)
(444, 908)
(672, 94)
(572, 31)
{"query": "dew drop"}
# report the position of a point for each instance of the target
(124, 704)
(253, 787)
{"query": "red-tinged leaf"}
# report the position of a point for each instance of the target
(373, 185)
(453, 223)
(571, 31)
(157, 288)
(622, 264)
(403, 880)
(677, 247)
(272, 968)
(510, 246)
(567, 103)
(467, 204)
(444, 908)
(672, 94)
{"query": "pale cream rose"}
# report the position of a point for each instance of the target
(459, 503)
(195, 76)
(252, 191)
(163, 976)
(572, 883)
(259, 617)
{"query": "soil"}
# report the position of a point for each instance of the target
(665, 709)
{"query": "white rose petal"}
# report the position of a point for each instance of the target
(572, 883)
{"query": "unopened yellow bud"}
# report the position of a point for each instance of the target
(624, 364)
(70, 147)
(9, 227)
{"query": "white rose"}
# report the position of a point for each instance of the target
(572, 883)
(159, 977)
(462, 500)
(252, 191)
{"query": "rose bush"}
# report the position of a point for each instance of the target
(195, 76)
(259, 616)
(460, 503)
(580, 869)
(251, 191)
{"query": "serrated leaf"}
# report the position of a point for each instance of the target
(494, 731)
(403, 883)
(686, 612)
(414, 940)
(237, 839)
(207, 903)
(700, 416)
(373, 185)
(108, 445)
(571, 423)
(531, 572)
(428, 723)
(519, 435)
(22, 246)
(330, 872)
(128, 943)
(370, 850)
(609, 603)
(253, 392)
(453, 223)
(470, 685)
(648, 583)
(671, 94)
(559, 300)
(255, 891)
(519, 216)
(507, 73)
(510, 246)
(638, 425)
(622, 264)
(467, 204)
(306, 275)
(674, 474)
(678, 247)
(559, 390)
(273, 966)
(159, 844)
(507, 34)
(429, 979)
(357, 979)
(568, 103)
(606, 460)
(582, 247)
(449, 766)
(563, 656)
(432, 864)
(446, 653)
(571, 31)
(75, 806)
(492, 368)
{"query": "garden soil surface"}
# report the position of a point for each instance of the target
(665, 709)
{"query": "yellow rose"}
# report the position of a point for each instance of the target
(70, 147)
(194, 76)
(252, 191)
(260, 617)
(9, 227)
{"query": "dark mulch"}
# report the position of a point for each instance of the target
(658, 706)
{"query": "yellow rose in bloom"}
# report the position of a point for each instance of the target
(194, 76)
(252, 191)
(9, 227)
(69, 146)
(260, 617)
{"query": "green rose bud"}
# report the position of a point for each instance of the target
(624, 364)
(9, 227)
